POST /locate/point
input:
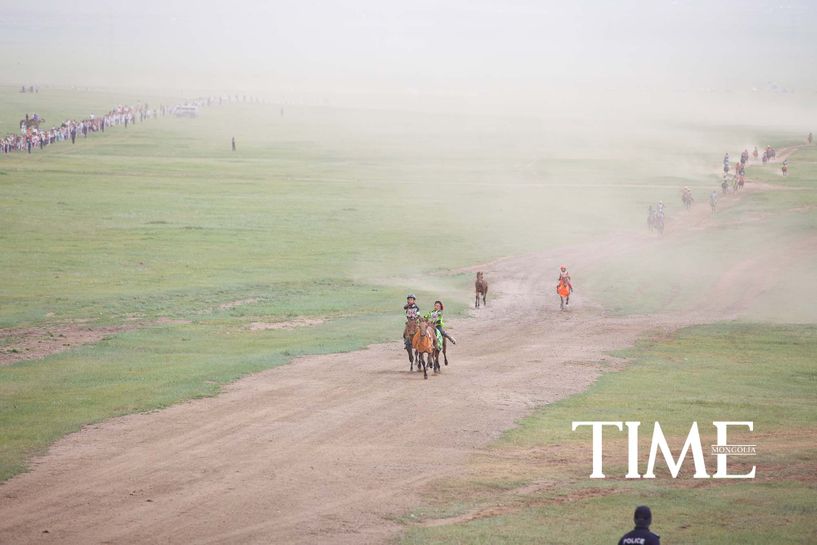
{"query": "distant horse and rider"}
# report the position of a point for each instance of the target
(686, 197)
(481, 289)
(31, 122)
(655, 219)
(564, 287)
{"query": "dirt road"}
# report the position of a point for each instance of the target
(329, 449)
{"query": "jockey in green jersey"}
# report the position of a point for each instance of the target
(436, 319)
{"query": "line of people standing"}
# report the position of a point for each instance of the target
(32, 136)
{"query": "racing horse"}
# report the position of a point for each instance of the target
(563, 289)
(655, 221)
(424, 343)
(659, 223)
(686, 198)
(408, 335)
(481, 288)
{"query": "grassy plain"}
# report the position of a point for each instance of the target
(322, 213)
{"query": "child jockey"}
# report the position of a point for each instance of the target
(436, 319)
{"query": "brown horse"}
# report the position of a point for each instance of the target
(31, 122)
(563, 289)
(687, 199)
(424, 342)
(481, 288)
(408, 335)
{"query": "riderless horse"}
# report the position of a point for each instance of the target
(481, 288)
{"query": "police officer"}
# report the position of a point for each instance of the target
(641, 535)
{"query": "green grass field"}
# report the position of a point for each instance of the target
(533, 486)
(323, 213)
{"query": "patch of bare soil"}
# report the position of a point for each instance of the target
(20, 344)
(172, 321)
(31, 343)
(238, 303)
(289, 324)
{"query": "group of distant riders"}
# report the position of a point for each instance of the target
(655, 214)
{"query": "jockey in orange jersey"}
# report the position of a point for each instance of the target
(564, 288)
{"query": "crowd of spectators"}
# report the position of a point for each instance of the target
(33, 136)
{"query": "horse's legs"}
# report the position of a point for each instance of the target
(425, 371)
(445, 356)
(476, 301)
(561, 302)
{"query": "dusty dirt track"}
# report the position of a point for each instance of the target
(329, 449)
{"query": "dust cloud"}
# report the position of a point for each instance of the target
(523, 125)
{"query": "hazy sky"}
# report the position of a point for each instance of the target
(457, 50)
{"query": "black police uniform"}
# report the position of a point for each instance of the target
(640, 536)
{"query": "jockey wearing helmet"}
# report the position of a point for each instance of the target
(564, 277)
(412, 313)
(564, 288)
(411, 308)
